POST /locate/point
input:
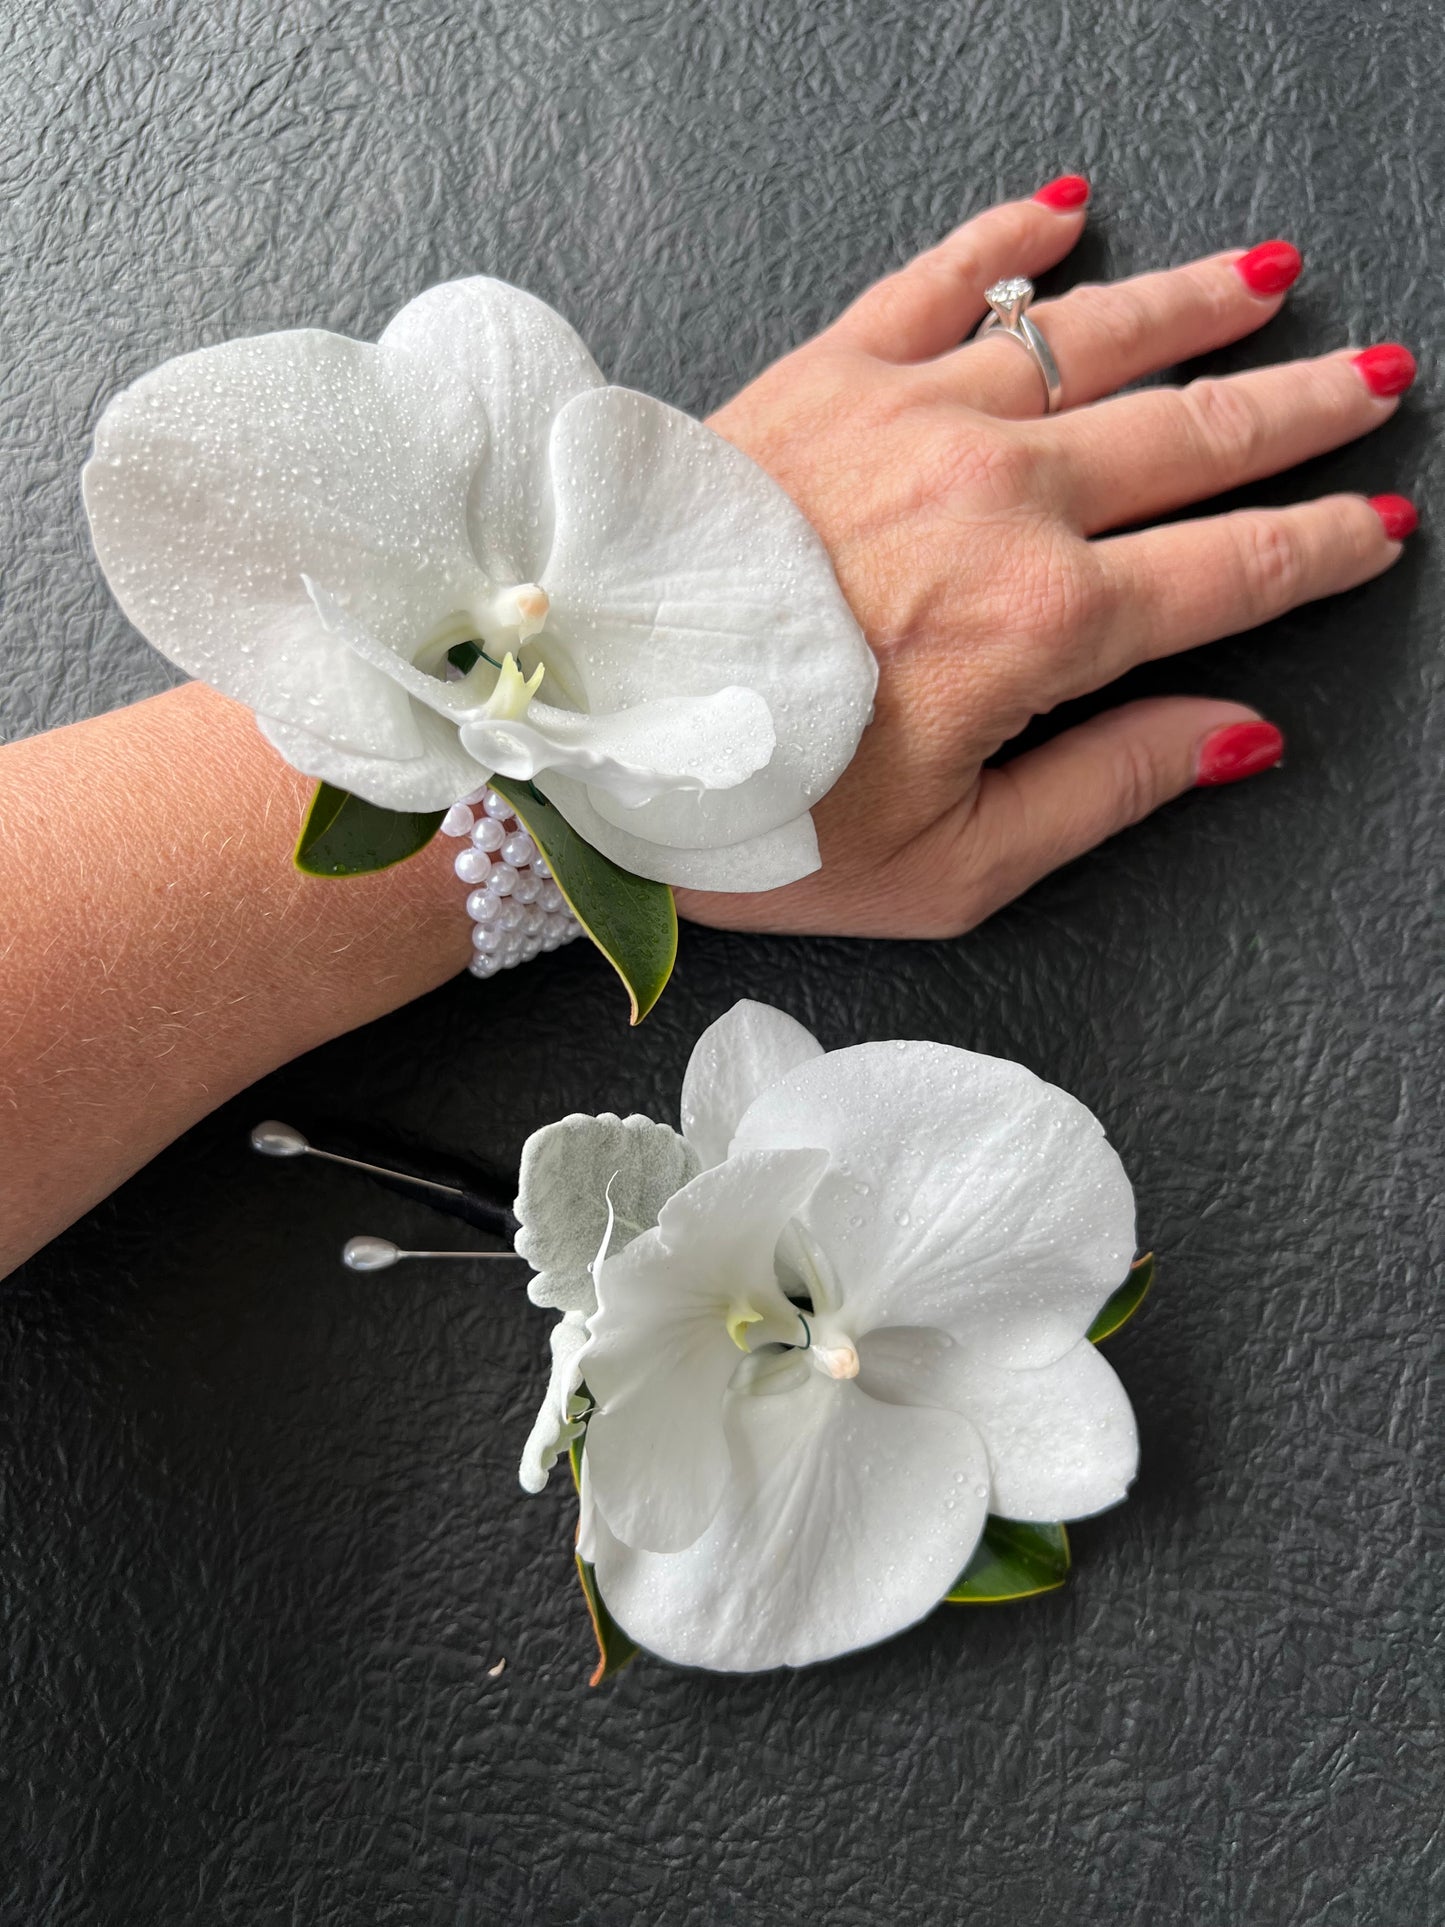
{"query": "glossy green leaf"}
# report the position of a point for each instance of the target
(1123, 1304)
(632, 921)
(343, 836)
(614, 1647)
(465, 655)
(1013, 1560)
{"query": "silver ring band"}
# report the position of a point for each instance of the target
(1008, 303)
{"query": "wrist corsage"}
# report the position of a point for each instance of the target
(469, 585)
(827, 1357)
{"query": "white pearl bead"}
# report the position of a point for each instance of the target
(472, 866)
(517, 909)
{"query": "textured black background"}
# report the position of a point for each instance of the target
(261, 1532)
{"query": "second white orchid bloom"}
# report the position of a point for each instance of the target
(827, 1356)
(311, 524)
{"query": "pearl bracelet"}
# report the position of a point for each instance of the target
(515, 907)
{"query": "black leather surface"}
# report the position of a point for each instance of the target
(262, 1536)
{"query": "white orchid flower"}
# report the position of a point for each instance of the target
(853, 1335)
(311, 523)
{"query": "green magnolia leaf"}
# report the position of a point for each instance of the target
(632, 921)
(614, 1648)
(346, 837)
(1123, 1304)
(1013, 1560)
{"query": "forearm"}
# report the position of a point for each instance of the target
(160, 952)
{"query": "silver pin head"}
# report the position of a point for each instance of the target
(369, 1254)
(274, 1140)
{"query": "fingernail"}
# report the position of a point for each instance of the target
(1397, 514)
(1067, 192)
(1270, 268)
(1238, 750)
(1387, 369)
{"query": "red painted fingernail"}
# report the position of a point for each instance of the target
(1238, 750)
(1387, 369)
(1067, 192)
(1397, 514)
(1270, 268)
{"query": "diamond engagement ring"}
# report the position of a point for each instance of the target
(1008, 302)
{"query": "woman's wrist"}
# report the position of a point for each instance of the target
(171, 947)
(222, 817)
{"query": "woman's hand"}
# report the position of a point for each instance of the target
(976, 542)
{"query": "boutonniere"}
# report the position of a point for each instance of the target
(457, 575)
(827, 1355)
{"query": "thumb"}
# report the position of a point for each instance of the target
(1053, 803)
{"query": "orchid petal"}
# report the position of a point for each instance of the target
(765, 862)
(562, 1197)
(223, 476)
(519, 361)
(660, 1356)
(734, 1061)
(447, 698)
(431, 781)
(962, 1192)
(1061, 1438)
(675, 743)
(555, 1428)
(679, 565)
(844, 1521)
